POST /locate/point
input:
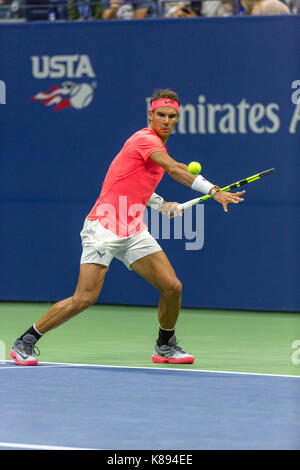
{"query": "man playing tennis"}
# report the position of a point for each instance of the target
(115, 229)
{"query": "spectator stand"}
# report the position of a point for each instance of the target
(63, 10)
(56, 10)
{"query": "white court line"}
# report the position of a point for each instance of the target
(70, 364)
(27, 367)
(40, 447)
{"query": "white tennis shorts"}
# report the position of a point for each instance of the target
(100, 245)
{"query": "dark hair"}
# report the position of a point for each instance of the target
(164, 93)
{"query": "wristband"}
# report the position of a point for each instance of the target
(214, 190)
(155, 201)
(202, 185)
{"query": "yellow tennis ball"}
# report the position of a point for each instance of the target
(194, 168)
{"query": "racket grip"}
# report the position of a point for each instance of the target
(187, 204)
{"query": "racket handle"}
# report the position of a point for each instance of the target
(187, 204)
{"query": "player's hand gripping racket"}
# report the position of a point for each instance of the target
(192, 202)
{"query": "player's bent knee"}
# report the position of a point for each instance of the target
(173, 289)
(84, 301)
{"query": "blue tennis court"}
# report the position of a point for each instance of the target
(99, 407)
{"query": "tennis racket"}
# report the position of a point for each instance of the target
(192, 202)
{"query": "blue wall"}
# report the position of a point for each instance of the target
(53, 162)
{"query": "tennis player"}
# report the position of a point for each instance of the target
(115, 229)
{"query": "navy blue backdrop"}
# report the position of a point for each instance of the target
(235, 79)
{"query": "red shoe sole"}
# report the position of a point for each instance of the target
(164, 360)
(28, 363)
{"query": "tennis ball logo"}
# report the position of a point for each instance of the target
(67, 95)
(194, 168)
(81, 95)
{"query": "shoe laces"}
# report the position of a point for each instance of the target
(31, 349)
(176, 347)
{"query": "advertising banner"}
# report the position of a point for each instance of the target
(72, 93)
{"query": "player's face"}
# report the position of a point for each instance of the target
(163, 121)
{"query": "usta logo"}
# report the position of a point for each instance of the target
(68, 93)
(59, 66)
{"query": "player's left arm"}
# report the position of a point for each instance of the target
(179, 172)
(226, 198)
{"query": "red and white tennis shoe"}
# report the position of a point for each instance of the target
(23, 351)
(171, 353)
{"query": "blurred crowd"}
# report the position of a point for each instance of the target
(55, 10)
